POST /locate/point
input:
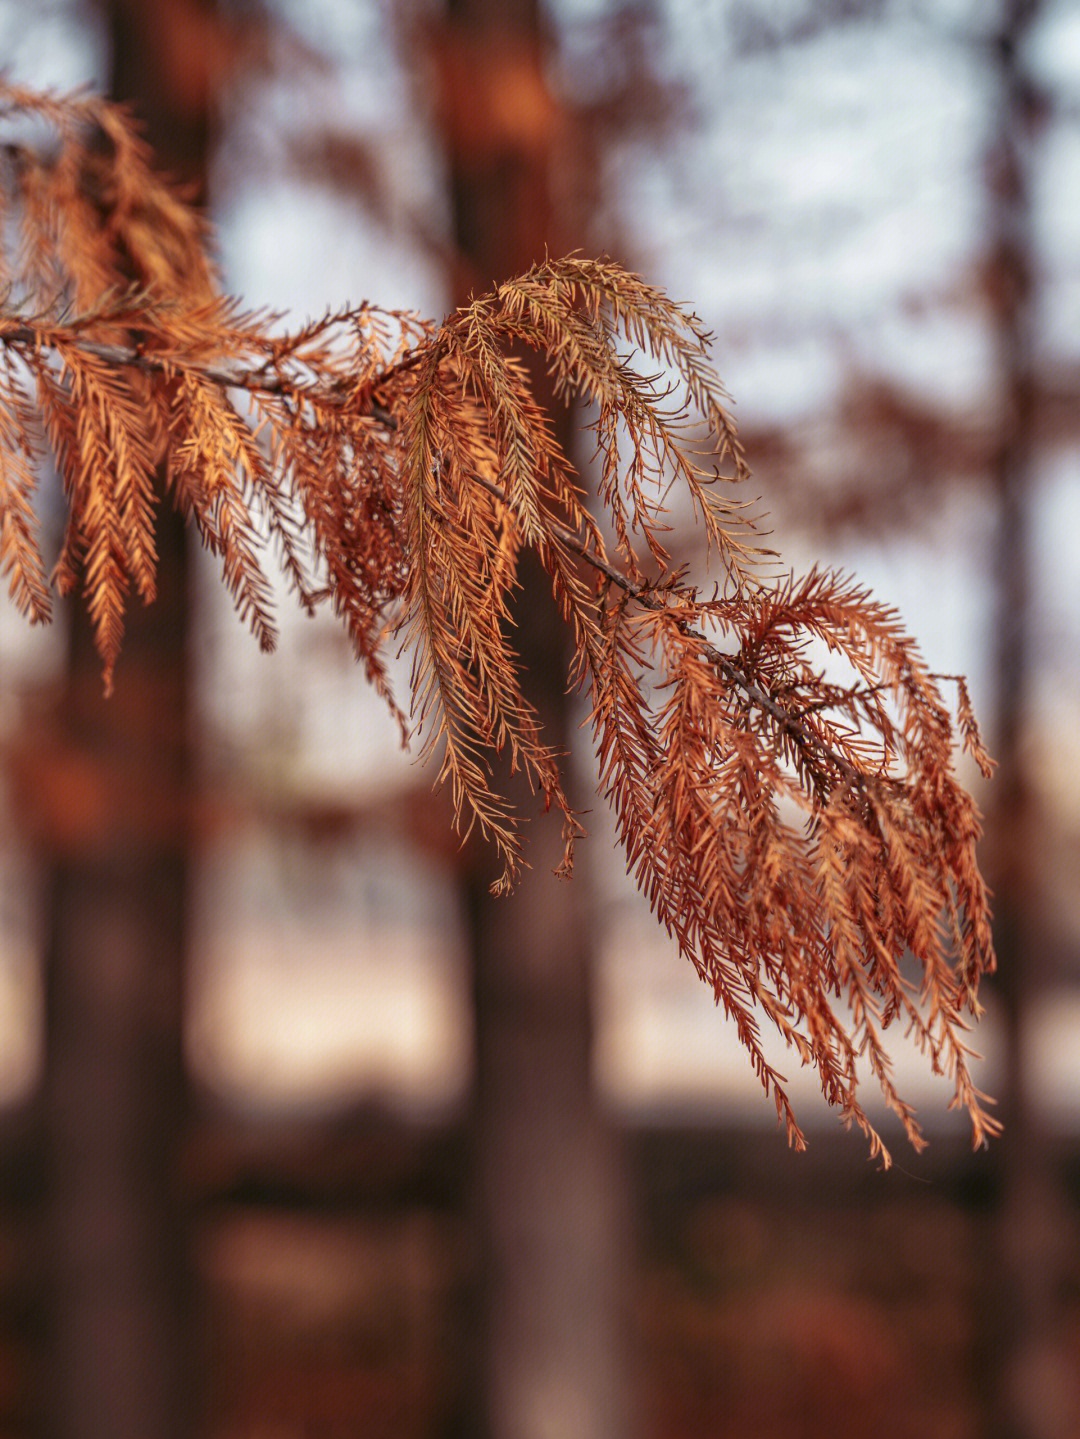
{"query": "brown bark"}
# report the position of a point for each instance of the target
(118, 1323)
(1033, 1389)
(114, 1094)
(551, 1193)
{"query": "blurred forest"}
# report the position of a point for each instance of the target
(302, 1132)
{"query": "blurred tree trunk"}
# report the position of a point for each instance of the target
(1030, 1393)
(119, 1329)
(551, 1187)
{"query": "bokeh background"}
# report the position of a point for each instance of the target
(301, 1133)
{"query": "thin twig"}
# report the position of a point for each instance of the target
(813, 750)
(263, 379)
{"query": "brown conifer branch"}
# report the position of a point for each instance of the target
(401, 467)
(651, 600)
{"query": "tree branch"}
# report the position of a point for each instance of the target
(814, 751)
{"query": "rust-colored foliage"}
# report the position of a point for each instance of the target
(799, 832)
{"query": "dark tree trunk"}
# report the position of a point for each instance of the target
(114, 1093)
(551, 1192)
(119, 1330)
(1030, 1393)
